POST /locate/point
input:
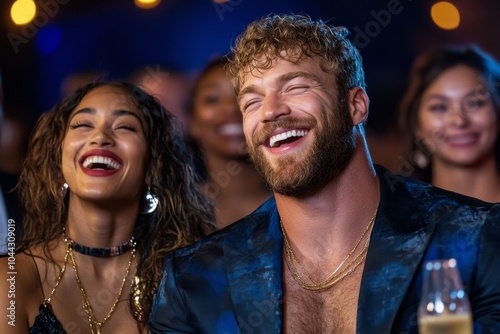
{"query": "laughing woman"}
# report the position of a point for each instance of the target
(108, 190)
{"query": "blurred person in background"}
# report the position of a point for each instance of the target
(76, 80)
(13, 135)
(13, 143)
(215, 125)
(451, 115)
(167, 84)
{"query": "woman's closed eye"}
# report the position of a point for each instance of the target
(77, 125)
(126, 126)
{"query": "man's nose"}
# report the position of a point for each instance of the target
(273, 108)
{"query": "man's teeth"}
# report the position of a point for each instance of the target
(285, 135)
(110, 163)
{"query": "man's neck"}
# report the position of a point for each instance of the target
(331, 220)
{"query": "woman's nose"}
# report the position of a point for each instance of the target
(458, 116)
(102, 137)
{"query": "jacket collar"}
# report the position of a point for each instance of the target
(399, 239)
(254, 267)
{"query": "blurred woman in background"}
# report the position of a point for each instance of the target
(215, 124)
(451, 114)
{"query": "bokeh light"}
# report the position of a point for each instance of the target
(147, 4)
(445, 15)
(23, 11)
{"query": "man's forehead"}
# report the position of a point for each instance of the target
(258, 67)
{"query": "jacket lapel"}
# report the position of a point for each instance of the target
(254, 267)
(399, 239)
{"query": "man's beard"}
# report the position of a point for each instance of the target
(297, 175)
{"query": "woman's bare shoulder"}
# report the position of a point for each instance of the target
(20, 291)
(21, 266)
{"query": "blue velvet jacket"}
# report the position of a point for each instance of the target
(231, 281)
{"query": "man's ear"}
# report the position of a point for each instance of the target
(358, 103)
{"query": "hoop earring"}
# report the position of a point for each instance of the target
(420, 159)
(64, 189)
(421, 156)
(150, 202)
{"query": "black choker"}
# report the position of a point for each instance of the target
(99, 252)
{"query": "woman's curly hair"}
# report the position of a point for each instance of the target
(294, 37)
(183, 214)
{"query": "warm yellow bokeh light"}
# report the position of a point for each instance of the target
(23, 11)
(146, 4)
(445, 15)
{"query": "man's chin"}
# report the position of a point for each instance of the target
(295, 190)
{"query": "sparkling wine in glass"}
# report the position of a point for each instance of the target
(444, 307)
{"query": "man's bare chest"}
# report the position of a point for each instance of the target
(333, 310)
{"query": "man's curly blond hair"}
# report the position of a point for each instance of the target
(294, 37)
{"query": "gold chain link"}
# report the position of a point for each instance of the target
(337, 275)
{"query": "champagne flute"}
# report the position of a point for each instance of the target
(444, 307)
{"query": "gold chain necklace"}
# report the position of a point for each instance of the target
(95, 326)
(338, 274)
(58, 280)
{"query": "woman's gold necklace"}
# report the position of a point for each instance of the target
(95, 326)
(58, 280)
(338, 274)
